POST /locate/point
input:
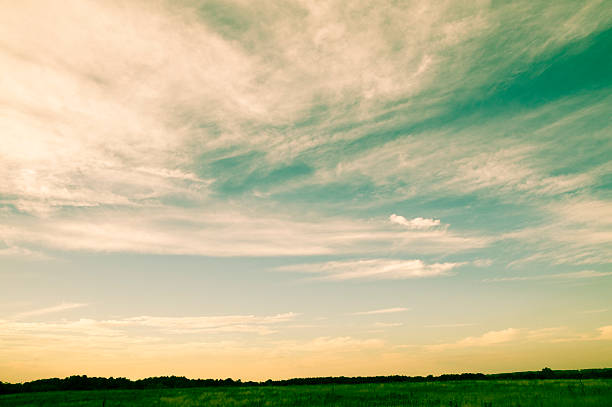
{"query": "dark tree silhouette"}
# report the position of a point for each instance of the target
(170, 382)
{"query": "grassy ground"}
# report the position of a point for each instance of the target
(557, 393)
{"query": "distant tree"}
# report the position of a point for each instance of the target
(547, 373)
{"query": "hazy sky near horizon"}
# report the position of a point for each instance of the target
(269, 189)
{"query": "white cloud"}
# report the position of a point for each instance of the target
(94, 121)
(605, 333)
(222, 231)
(416, 223)
(490, 338)
(210, 324)
(571, 275)
(594, 311)
(57, 330)
(443, 162)
(514, 335)
(22, 253)
(382, 311)
(374, 269)
(140, 326)
(486, 339)
(590, 212)
(84, 112)
(576, 231)
(512, 169)
(65, 306)
(115, 128)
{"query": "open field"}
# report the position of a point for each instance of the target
(541, 393)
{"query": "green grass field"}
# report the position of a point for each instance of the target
(557, 393)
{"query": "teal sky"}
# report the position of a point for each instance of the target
(277, 189)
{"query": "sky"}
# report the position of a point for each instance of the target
(274, 189)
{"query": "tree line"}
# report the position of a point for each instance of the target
(171, 382)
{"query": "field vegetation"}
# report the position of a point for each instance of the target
(473, 393)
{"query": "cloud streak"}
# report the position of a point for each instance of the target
(513, 336)
(486, 339)
(562, 276)
(224, 232)
(153, 326)
(578, 232)
(65, 306)
(373, 269)
(382, 311)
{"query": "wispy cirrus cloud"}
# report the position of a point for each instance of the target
(521, 335)
(225, 232)
(146, 326)
(21, 252)
(512, 169)
(373, 269)
(569, 276)
(382, 311)
(88, 154)
(65, 306)
(164, 128)
(486, 339)
(594, 311)
(577, 231)
(206, 324)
